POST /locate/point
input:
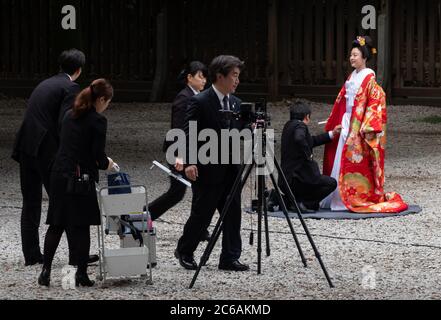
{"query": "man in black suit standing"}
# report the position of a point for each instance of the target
(302, 172)
(37, 143)
(213, 182)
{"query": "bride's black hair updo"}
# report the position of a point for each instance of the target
(365, 44)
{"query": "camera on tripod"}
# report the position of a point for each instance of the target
(249, 113)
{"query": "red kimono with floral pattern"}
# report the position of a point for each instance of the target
(361, 179)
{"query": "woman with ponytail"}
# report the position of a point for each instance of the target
(194, 76)
(73, 204)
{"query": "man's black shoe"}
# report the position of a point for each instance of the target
(305, 210)
(234, 266)
(44, 279)
(34, 261)
(186, 261)
(272, 201)
(313, 205)
(92, 259)
(302, 207)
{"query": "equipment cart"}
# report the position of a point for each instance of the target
(123, 215)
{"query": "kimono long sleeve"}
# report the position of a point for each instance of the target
(375, 116)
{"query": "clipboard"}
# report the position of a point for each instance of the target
(171, 173)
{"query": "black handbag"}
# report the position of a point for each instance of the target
(80, 184)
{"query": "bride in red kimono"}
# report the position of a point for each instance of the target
(356, 160)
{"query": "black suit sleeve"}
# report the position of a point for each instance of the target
(192, 114)
(321, 140)
(67, 103)
(300, 138)
(179, 111)
(99, 143)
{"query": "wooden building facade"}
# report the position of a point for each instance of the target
(291, 48)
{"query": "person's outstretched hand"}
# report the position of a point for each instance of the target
(111, 164)
(192, 173)
(337, 130)
(179, 165)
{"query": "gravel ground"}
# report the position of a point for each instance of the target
(402, 254)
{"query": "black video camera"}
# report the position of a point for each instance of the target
(249, 113)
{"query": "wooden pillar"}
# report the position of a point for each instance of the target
(284, 39)
(384, 61)
(273, 68)
(330, 37)
(432, 5)
(160, 81)
(397, 42)
(341, 47)
(439, 24)
(5, 38)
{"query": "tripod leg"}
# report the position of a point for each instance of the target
(261, 187)
(218, 229)
(305, 227)
(265, 215)
(285, 211)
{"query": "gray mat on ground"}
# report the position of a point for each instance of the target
(343, 215)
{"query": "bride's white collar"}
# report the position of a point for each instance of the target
(364, 72)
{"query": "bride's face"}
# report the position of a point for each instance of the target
(356, 59)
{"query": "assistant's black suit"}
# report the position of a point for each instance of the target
(82, 146)
(177, 190)
(179, 111)
(35, 148)
(302, 172)
(214, 183)
(83, 143)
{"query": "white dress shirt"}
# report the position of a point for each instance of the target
(196, 92)
(221, 97)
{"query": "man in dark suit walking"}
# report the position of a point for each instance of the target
(213, 182)
(37, 143)
(302, 172)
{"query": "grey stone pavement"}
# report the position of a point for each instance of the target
(391, 258)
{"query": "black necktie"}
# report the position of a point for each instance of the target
(227, 108)
(226, 104)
